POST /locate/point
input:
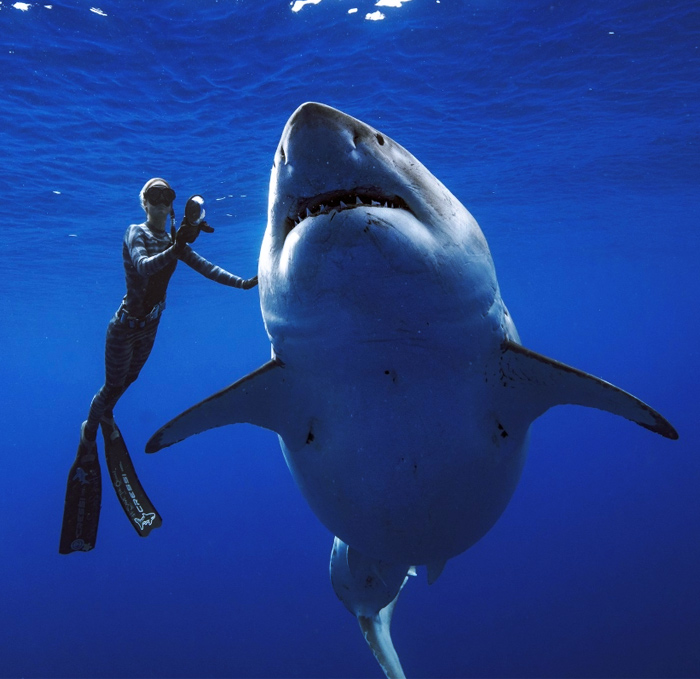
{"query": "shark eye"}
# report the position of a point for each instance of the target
(380, 139)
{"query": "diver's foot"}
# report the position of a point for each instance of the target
(109, 427)
(87, 448)
(87, 438)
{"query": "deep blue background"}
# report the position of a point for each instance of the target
(570, 130)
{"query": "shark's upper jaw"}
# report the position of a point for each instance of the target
(343, 199)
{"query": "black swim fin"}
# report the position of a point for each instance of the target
(81, 511)
(142, 514)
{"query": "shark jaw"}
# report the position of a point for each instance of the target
(335, 201)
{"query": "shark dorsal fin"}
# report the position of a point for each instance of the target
(549, 383)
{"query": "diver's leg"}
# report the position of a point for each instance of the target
(136, 504)
(119, 353)
(81, 510)
(143, 345)
(142, 342)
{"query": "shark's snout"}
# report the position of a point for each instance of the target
(325, 120)
(313, 112)
(327, 137)
(310, 124)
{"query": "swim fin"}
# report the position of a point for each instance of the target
(81, 511)
(132, 497)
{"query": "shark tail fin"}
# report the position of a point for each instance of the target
(369, 589)
(261, 398)
(377, 633)
(549, 383)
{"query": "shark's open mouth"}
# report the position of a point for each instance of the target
(344, 200)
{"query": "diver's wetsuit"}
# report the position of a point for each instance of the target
(150, 259)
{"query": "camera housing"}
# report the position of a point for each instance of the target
(194, 210)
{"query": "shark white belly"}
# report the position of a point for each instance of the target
(397, 385)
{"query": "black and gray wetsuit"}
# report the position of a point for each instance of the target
(150, 259)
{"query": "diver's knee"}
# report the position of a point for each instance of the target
(112, 391)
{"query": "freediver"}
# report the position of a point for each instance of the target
(150, 255)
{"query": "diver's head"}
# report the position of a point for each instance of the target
(155, 192)
(157, 198)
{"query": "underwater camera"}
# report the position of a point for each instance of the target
(194, 213)
(194, 210)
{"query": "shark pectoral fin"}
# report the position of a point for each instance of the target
(369, 589)
(547, 383)
(261, 398)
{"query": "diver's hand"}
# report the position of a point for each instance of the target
(186, 234)
(205, 227)
(250, 283)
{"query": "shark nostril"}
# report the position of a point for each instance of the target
(380, 139)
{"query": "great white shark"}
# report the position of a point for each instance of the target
(398, 386)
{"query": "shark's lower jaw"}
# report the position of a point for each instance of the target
(340, 200)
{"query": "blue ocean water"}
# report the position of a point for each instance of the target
(571, 132)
